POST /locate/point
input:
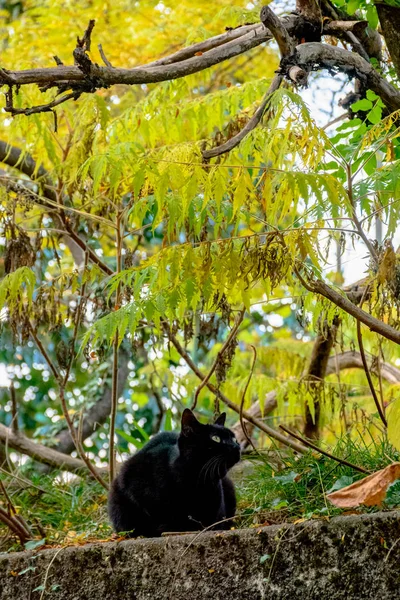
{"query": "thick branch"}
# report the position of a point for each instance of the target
(318, 286)
(147, 74)
(389, 17)
(283, 39)
(314, 55)
(315, 375)
(48, 456)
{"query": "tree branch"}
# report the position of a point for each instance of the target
(318, 449)
(48, 456)
(268, 430)
(314, 56)
(315, 375)
(317, 286)
(98, 413)
(250, 125)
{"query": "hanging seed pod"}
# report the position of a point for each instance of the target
(19, 253)
(225, 361)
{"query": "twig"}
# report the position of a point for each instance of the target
(242, 423)
(230, 337)
(14, 408)
(317, 449)
(339, 118)
(41, 108)
(256, 422)
(14, 525)
(85, 42)
(43, 588)
(356, 222)
(114, 389)
(41, 348)
(65, 411)
(250, 125)
(103, 56)
(366, 369)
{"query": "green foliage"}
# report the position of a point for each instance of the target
(292, 487)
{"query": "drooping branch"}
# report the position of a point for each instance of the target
(250, 125)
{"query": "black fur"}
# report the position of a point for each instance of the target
(177, 482)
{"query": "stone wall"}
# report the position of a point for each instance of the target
(354, 557)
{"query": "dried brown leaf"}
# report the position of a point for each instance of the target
(370, 491)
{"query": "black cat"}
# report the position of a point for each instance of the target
(177, 482)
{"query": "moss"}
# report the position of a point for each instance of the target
(346, 558)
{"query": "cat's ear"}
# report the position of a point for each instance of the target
(189, 422)
(221, 419)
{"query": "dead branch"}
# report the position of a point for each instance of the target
(250, 125)
(269, 19)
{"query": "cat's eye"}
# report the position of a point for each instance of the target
(215, 438)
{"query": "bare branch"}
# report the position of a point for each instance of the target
(43, 454)
(274, 24)
(314, 55)
(103, 56)
(318, 449)
(250, 125)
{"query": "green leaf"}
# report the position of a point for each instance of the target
(341, 483)
(363, 104)
(372, 16)
(264, 558)
(394, 424)
(352, 6)
(375, 115)
(32, 544)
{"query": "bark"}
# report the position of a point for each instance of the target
(48, 456)
(389, 17)
(315, 376)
